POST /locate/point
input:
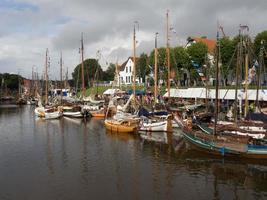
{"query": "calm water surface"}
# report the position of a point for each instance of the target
(76, 159)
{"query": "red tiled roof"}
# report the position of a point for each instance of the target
(211, 44)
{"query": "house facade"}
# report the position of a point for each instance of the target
(125, 73)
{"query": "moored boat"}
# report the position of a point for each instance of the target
(121, 125)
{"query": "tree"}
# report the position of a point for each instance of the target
(92, 72)
(197, 54)
(11, 81)
(108, 75)
(142, 68)
(181, 60)
(260, 41)
(227, 51)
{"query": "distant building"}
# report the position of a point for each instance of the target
(125, 73)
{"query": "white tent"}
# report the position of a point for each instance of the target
(227, 94)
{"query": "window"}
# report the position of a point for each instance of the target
(130, 70)
(126, 70)
(132, 78)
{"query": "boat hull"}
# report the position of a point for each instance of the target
(114, 127)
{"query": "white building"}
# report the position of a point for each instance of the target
(125, 73)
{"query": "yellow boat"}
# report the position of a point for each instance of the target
(122, 125)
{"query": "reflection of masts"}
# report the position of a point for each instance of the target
(168, 55)
(49, 152)
(84, 158)
(82, 49)
(156, 70)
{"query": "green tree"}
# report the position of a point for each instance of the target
(92, 72)
(142, 68)
(228, 59)
(108, 75)
(181, 60)
(197, 53)
(11, 81)
(260, 41)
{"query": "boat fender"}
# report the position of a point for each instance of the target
(222, 151)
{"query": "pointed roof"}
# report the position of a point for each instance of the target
(122, 66)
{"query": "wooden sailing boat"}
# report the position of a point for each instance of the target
(223, 144)
(48, 112)
(120, 123)
(153, 128)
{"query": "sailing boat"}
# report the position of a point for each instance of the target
(48, 112)
(122, 121)
(152, 127)
(221, 143)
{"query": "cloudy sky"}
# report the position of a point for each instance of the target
(28, 27)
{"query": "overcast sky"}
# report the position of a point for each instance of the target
(28, 27)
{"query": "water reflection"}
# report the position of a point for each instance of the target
(78, 159)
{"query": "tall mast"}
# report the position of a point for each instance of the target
(46, 77)
(66, 79)
(237, 76)
(217, 86)
(246, 84)
(168, 54)
(134, 60)
(258, 72)
(82, 49)
(61, 63)
(156, 69)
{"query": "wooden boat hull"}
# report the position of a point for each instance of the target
(114, 127)
(46, 114)
(237, 150)
(98, 115)
(73, 114)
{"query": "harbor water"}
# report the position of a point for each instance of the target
(78, 159)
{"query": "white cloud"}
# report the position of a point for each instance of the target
(108, 26)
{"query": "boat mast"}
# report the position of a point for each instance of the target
(258, 72)
(207, 82)
(82, 52)
(61, 63)
(217, 86)
(134, 60)
(237, 76)
(246, 84)
(168, 53)
(46, 77)
(156, 69)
